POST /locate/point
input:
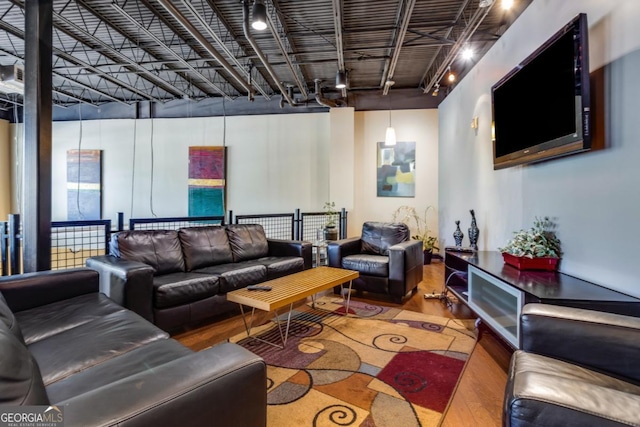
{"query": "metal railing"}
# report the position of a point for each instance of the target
(276, 226)
(174, 223)
(72, 242)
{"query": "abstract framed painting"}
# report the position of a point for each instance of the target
(396, 169)
(207, 180)
(84, 185)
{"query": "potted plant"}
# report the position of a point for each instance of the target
(535, 249)
(419, 229)
(330, 214)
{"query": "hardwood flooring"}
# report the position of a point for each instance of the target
(477, 400)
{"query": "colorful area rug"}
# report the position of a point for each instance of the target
(380, 366)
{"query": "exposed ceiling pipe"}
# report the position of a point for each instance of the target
(402, 32)
(224, 48)
(468, 32)
(285, 54)
(258, 51)
(325, 102)
(175, 13)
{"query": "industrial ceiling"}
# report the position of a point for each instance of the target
(115, 55)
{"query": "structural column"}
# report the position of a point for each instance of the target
(37, 136)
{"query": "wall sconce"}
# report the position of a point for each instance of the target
(474, 123)
(259, 16)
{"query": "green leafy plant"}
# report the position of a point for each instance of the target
(417, 225)
(330, 214)
(539, 241)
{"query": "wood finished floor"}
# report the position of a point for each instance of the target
(478, 398)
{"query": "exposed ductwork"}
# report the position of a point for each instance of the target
(325, 102)
(175, 13)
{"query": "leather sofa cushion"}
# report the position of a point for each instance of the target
(92, 343)
(20, 379)
(204, 246)
(141, 359)
(281, 266)
(248, 241)
(549, 392)
(237, 275)
(158, 248)
(7, 317)
(377, 237)
(180, 288)
(46, 320)
(371, 265)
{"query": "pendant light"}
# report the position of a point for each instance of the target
(390, 137)
(259, 16)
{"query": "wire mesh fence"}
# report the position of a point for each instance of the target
(72, 242)
(174, 223)
(276, 226)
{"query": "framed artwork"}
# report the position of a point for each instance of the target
(396, 169)
(84, 185)
(207, 180)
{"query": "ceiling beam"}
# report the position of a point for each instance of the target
(387, 75)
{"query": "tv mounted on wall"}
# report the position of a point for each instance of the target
(541, 108)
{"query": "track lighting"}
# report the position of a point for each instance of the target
(451, 77)
(436, 89)
(259, 16)
(341, 79)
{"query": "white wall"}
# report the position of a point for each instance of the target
(420, 126)
(275, 163)
(594, 197)
(5, 170)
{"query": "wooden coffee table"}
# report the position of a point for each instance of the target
(289, 289)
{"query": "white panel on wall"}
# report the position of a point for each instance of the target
(594, 196)
(275, 164)
(420, 126)
(5, 170)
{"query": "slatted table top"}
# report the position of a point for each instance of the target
(288, 289)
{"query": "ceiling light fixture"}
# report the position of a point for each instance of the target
(450, 76)
(259, 16)
(507, 4)
(485, 3)
(436, 89)
(390, 136)
(467, 53)
(341, 79)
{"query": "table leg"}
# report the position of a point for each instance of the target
(348, 299)
(283, 337)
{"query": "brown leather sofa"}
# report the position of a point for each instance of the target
(63, 343)
(577, 368)
(173, 278)
(388, 261)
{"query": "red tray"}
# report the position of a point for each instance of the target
(524, 263)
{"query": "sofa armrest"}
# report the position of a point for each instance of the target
(128, 283)
(569, 334)
(299, 248)
(225, 385)
(405, 266)
(25, 291)
(338, 249)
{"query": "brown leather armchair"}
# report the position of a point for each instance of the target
(577, 368)
(388, 261)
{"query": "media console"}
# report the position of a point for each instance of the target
(496, 292)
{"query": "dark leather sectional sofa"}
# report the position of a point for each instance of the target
(63, 343)
(173, 278)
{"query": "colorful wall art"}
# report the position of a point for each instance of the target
(84, 184)
(396, 169)
(207, 181)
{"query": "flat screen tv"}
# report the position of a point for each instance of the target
(541, 108)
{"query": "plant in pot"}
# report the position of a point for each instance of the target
(419, 230)
(535, 249)
(330, 215)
